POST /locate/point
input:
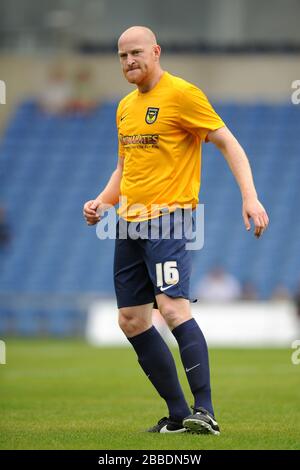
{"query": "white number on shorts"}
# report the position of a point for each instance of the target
(167, 272)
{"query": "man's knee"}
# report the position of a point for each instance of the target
(131, 323)
(174, 311)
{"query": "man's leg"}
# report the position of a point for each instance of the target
(194, 355)
(192, 346)
(169, 265)
(154, 357)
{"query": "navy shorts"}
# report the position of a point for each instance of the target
(151, 258)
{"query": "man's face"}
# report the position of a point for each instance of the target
(138, 60)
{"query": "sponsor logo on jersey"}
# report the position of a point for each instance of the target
(143, 140)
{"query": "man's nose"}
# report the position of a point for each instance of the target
(130, 60)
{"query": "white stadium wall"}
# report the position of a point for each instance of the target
(240, 324)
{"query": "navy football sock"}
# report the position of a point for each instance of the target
(158, 364)
(194, 356)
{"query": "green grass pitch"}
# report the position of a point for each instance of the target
(65, 394)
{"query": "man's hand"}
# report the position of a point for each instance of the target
(91, 211)
(252, 208)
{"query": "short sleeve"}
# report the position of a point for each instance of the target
(121, 151)
(197, 114)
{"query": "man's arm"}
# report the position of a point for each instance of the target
(240, 167)
(108, 197)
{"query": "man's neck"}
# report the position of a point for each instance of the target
(151, 83)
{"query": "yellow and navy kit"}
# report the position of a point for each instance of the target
(160, 134)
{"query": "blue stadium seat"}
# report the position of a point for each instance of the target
(50, 165)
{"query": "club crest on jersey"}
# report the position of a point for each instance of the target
(151, 115)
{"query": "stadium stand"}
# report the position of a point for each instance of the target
(50, 165)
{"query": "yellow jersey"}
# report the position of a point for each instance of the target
(160, 134)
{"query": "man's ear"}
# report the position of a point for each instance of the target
(157, 51)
